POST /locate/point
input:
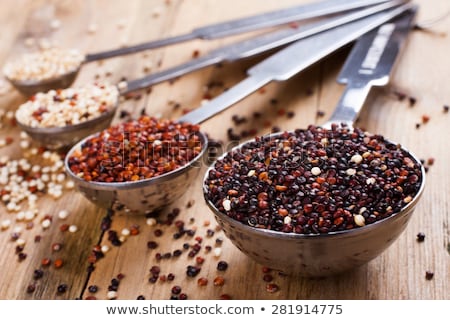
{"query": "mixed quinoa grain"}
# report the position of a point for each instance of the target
(136, 150)
(43, 65)
(314, 181)
(71, 106)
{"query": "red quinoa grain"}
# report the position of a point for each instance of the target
(136, 150)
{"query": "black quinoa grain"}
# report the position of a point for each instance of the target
(222, 265)
(140, 297)
(155, 270)
(182, 296)
(192, 271)
(320, 114)
(93, 289)
(62, 288)
(445, 108)
(290, 114)
(429, 275)
(314, 181)
(31, 288)
(267, 277)
(152, 245)
(38, 274)
(22, 256)
(421, 237)
(176, 290)
(170, 277)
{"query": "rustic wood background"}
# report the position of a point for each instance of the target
(399, 273)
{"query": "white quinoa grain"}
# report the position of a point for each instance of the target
(122, 85)
(46, 223)
(105, 248)
(316, 171)
(359, 220)
(125, 232)
(20, 216)
(73, 228)
(29, 215)
(63, 214)
(226, 204)
(70, 184)
(217, 252)
(29, 42)
(350, 171)
(111, 295)
(44, 64)
(407, 199)
(55, 24)
(151, 221)
(357, 158)
(69, 106)
(92, 28)
(5, 224)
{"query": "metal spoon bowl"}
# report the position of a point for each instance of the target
(143, 196)
(31, 87)
(315, 255)
(60, 137)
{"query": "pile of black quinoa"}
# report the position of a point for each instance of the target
(314, 181)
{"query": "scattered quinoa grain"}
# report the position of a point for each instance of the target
(63, 214)
(272, 287)
(201, 282)
(222, 265)
(217, 252)
(111, 295)
(219, 281)
(425, 118)
(421, 237)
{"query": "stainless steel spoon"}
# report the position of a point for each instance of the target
(152, 194)
(318, 255)
(227, 28)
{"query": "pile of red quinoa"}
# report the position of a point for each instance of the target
(135, 150)
(314, 181)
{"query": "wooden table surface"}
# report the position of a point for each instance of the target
(399, 273)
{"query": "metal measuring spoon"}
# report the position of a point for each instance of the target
(324, 254)
(223, 29)
(154, 193)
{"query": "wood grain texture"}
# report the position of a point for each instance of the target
(399, 273)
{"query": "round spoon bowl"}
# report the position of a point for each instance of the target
(315, 255)
(142, 196)
(31, 87)
(61, 137)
